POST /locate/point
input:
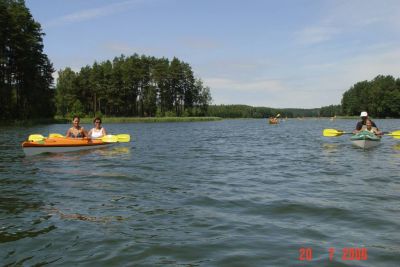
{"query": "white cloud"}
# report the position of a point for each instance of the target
(368, 66)
(93, 13)
(316, 34)
(117, 48)
(308, 86)
(352, 18)
(360, 13)
(200, 43)
(270, 86)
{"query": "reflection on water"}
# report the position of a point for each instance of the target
(77, 216)
(396, 147)
(115, 151)
(330, 147)
(77, 155)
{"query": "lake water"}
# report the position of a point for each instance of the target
(225, 193)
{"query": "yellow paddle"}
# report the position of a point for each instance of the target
(121, 138)
(52, 135)
(109, 138)
(36, 137)
(395, 134)
(333, 132)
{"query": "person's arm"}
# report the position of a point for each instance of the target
(84, 133)
(377, 132)
(104, 131)
(68, 134)
(358, 127)
(90, 133)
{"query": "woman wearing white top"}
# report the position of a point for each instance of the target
(98, 131)
(368, 127)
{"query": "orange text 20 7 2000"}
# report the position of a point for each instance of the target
(346, 254)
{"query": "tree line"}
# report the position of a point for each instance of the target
(380, 97)
(245, 111)
(25, 71)
(132, 86)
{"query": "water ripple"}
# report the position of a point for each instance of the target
(226, 193)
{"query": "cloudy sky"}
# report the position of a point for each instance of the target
(281, 54)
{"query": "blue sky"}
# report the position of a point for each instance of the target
(281, 54)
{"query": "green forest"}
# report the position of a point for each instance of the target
(380, 97)
(136, 85)
(245, 111)
(25, 71)
(132, 86)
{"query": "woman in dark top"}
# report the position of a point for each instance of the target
(76, 131)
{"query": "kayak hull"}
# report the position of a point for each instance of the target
(61, 145)
(365, 144)
(365, 140)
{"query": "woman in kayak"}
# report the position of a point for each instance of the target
(98, 131)
(76, 131)
(368, 127)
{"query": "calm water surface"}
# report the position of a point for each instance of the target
(227, 193)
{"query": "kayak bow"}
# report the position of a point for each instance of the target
(365, 140)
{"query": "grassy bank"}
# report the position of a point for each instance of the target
(31, 122)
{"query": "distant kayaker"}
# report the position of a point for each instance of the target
(368, 127)
(273, 121)
(76, 131)
(98, 131)
(360, 124)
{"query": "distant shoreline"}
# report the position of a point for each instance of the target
(109, 120)
(106, 120)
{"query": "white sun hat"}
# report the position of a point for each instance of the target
(364, 114)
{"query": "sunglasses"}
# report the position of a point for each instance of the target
(97, 122)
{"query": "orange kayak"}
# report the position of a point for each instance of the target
(61, 145)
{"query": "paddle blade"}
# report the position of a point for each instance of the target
(332, 132)
(123, 138)
(36, 137)
(52, 135)
(395, 134)
(109, 138)
(278, 115)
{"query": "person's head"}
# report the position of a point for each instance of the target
(97, 122)
(364, 115)
(368, 123)
(76, 120)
